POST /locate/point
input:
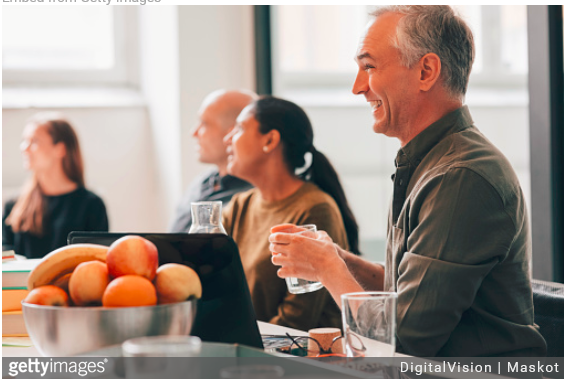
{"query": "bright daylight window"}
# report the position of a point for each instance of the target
(313, 65)
(312, 42)
(63, 44)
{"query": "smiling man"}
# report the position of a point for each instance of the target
(458, 241)
(216, 118)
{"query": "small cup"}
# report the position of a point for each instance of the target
(296, 285)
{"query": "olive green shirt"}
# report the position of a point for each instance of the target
(248, 219)
(459, 247)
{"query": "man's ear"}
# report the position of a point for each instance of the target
(430, 70)
(273, 140)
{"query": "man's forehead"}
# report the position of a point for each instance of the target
(379, 32)
(209, 108)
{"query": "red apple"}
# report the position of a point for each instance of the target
(176, 283)
(88, 282)
(132, 255)
(48, 295)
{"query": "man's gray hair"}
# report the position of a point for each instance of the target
(435, 29)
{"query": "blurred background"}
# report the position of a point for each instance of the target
(131, 79)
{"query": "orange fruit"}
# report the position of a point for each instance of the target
(129, 290)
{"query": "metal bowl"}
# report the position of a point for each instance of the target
(63, 331)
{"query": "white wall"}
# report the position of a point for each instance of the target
(159, 68)
(216, 50)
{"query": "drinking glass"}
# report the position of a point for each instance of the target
(369, 323)
(206, 217)
(162, 357)
(296, 285)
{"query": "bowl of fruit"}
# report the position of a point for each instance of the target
(84, 297)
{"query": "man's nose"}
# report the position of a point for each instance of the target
(361, 84)
(24, 146)
(195, 129)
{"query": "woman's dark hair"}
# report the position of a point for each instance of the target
(297, 137)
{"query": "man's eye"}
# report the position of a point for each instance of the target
(367, 67)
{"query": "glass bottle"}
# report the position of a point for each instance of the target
(207, 217)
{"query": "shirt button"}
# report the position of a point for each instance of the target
(400, 183)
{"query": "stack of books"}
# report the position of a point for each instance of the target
(14, 290)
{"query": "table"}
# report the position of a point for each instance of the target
(264, 328)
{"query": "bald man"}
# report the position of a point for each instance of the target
(217, 116)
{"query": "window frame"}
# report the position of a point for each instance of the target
(123, 73)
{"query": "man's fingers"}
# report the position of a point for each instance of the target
(280, 238)
(281, 249)
(277, 259)
(286, 227)
(281, 273)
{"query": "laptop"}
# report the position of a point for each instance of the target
(225, 311)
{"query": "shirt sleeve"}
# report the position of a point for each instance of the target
(227, 216)
(7, 233)
(458, 231)
(303, 311)
(97, 219)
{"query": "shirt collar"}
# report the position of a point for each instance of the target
(229, 181)
(415, 150)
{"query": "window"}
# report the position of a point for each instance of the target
(67, 45)
(312, 42)
(315, 45)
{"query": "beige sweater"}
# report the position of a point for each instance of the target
(248, 219)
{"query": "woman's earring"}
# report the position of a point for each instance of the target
(265, 149)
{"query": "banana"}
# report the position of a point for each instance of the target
(62, 282)
(62, 261)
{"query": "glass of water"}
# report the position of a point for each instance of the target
(369, 323)
(296, 285)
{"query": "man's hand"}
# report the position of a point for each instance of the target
(313, 259)
(289, 251)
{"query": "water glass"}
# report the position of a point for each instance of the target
(296, 285)
(206, 217)
(369, 323)
(162, 357)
